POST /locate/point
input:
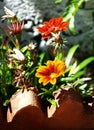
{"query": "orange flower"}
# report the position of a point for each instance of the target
(50, 72)
(54, 25)
(17, 27)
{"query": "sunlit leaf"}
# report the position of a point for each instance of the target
(80, 81)
(70, 12)
(58, 1)
(24, 49)
(67, 79)
(52, 101)
(70, 54)
(72, 68)
(71, 25)
(83, 64)
(79, 74)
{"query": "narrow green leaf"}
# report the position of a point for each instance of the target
(24, 49)
(79, 74)
(58, 1)
(83, 64)
(71, 25)
(67, 79)
(82, 87)
(59, 55)
(71, 10)
(72, 68)
(42, 55)
(70, 54)
(52, 101)
(80, 81)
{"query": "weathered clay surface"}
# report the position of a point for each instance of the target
(22, 99)
(70, 113)
(71, 110)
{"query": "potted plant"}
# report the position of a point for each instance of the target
(44, 90)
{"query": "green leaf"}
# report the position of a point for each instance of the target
(83, 64)
(67, 79)
(71, 10)
(79, 74)
(58, 1)
(72, 68)
(59, 55)
(71, 25)
(82, 87)
(80, 81)
(70, 54)
(68, 69)
(52, 101)
(42, 55)
(44, 89)
(43, 58)
(6, 102)
(24, 49)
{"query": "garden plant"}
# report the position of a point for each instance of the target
(48, 88)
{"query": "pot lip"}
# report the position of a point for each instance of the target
(33, 89)
(30, 96)
(67, 92)
(70, 93)
(29, 102)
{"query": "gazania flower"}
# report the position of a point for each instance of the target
(50, 72)
(53, 26)
(16, 27)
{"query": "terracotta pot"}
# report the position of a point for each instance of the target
(70, 112)
(89, 116)
(3, 121)
(25, 110)
(1, 114)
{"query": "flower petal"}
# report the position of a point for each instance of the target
(50, 72)
(54, 25)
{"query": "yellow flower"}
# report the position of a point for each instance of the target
(50, 72)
